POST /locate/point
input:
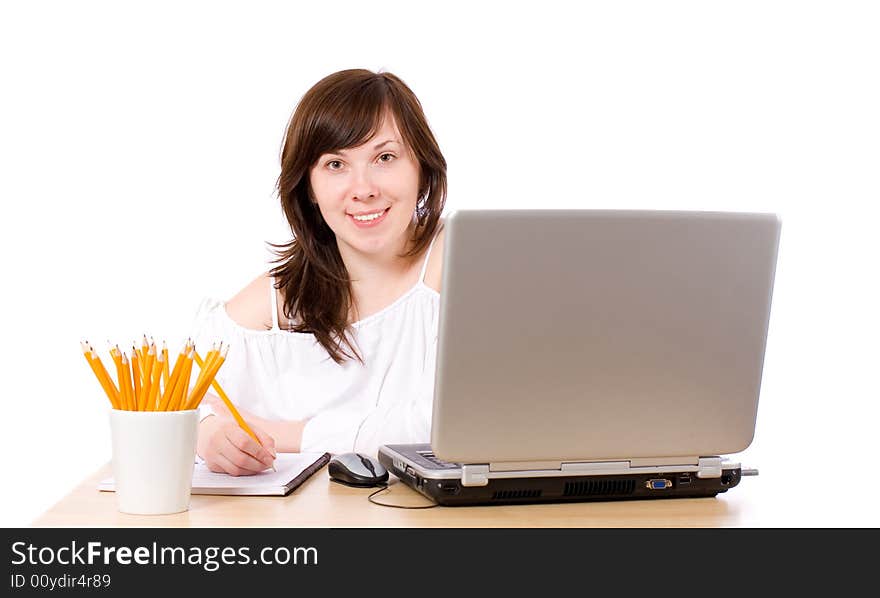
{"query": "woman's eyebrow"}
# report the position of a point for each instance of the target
(375, 147)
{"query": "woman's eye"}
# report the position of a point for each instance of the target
(334, 164)
(386, 157)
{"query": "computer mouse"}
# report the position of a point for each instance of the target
(355, 469)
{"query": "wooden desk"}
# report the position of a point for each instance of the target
(322, 503)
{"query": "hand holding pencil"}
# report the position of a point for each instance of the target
(227, 448)
(267, 442)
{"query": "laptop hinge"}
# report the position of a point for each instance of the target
(474, 475)
(709, 467)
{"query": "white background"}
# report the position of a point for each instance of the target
(139, 151)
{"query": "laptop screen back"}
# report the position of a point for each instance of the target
(597, 335)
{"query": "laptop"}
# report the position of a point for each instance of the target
(594, 355)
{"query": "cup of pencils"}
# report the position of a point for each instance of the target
(154, 422)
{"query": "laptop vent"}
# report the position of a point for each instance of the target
(599, 487)
(515, 494)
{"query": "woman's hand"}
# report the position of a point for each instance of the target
(226, 448)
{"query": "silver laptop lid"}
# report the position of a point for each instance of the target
(598, 335)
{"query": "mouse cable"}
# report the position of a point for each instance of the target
(384, 504)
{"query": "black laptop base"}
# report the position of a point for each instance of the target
(451, 492)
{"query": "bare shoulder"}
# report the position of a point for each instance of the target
(434, 273)
(251, 307)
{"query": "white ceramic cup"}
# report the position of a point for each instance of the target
(153, 458)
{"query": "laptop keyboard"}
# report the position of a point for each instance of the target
(429, 455)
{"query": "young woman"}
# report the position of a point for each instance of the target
(333, 349)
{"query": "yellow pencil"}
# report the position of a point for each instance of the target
(172, 380)
(205, 366)
(120, 379)
(147, 373)
(182, 384)
(114, 351)
(145, 346)
(165, 370)
(195, 397)
(136, 377)
(114, 355)
(101, 373)
(126, 381)
(158, 370)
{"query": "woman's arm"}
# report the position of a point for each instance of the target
(403, 422)
(287, 434)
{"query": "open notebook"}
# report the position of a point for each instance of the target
(293, 470)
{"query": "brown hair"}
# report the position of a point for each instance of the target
(341, 111)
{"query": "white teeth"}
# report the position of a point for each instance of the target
(368, 217)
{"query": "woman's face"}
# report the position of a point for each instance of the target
(367, 194)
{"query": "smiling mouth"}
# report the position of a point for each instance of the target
(369, 217)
